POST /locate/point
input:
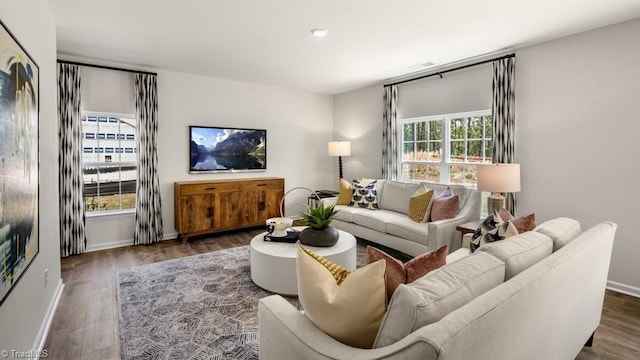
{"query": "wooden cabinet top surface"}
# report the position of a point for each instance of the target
(218, 181)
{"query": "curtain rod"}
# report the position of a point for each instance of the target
(439, 73)
(105, 67)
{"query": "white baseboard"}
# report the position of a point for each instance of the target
(624, 289)
(109, 245)
(38, 345)
(123, 243)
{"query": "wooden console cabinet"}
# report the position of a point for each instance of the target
(203, 207)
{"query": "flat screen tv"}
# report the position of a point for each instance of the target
(215, 149)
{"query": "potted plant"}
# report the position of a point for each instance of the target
(319, 232)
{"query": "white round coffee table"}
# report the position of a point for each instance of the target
(273, 264)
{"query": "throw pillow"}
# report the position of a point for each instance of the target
(364, 195)
(523, 223)
(349, 310)
(346, 192)
(445, 208)
(446, 193)
(493, 228)
(419, 204)
(405, 273)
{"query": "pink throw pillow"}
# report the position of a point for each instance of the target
(523, 223)
(398, 273)
(445, 208)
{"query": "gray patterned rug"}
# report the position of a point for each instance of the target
(197, 307)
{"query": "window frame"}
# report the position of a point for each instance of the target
(445, 162)
(109, 118)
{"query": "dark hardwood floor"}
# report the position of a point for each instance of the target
(85, 325)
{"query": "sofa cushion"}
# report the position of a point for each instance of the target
(350, 312)
(406, 228)
(398, 272)
(345, 194)
(345, 213)
(396, 195)
(519, 252)
(561, 230)
(364, 195)
(430, 298)
(377, 220)
(420, 204)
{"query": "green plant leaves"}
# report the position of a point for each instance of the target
(319, 217)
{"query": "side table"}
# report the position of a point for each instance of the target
(467, 228)
(312, 201)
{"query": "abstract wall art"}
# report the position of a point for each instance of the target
(19, 111)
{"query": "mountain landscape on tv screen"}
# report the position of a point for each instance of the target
(241, 150)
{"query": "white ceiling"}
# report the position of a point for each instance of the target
(268, 41)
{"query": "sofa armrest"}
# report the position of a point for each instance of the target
(443, 232)
(329, 201)
(285, 333)
(466, 241)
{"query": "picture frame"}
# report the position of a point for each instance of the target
(19, 161)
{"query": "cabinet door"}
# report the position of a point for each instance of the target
(272, 199)
(261, 205)
(231, 209)
(198, 212)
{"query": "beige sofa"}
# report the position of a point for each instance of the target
(547, 308)
(392, 227)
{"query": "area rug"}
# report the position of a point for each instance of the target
(197, 307)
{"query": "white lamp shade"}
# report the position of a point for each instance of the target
(339, 148)
(499, 177)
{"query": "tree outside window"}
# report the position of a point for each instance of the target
(446, 148)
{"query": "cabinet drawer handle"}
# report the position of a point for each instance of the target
(210, 211)
(262, 184)
(210, 188)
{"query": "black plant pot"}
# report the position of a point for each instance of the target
(321, 238)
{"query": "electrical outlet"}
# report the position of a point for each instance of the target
(46, 277)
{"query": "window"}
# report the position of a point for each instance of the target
(109, 180)
(445, 148)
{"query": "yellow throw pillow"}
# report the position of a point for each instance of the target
(419, 203)
(349, 311)
(346, 191)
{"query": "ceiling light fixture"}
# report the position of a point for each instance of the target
(319, 32)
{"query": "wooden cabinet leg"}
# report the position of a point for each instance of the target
(589, 342)
(185, 238)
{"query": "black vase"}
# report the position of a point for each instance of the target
(321, 238)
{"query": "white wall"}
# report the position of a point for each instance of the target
(24, 313)
(357, 117)
(299, 126)
(577, 124)
(458, 91)
(577, 134)
(109, 91)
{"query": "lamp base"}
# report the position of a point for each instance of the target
(495, 202)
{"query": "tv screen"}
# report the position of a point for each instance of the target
(227, 149)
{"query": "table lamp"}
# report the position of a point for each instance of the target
(339, 149)
(498, 178)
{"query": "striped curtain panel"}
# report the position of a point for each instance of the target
(390, 134)
(504, 118)
(148, 226)
(72, 217)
